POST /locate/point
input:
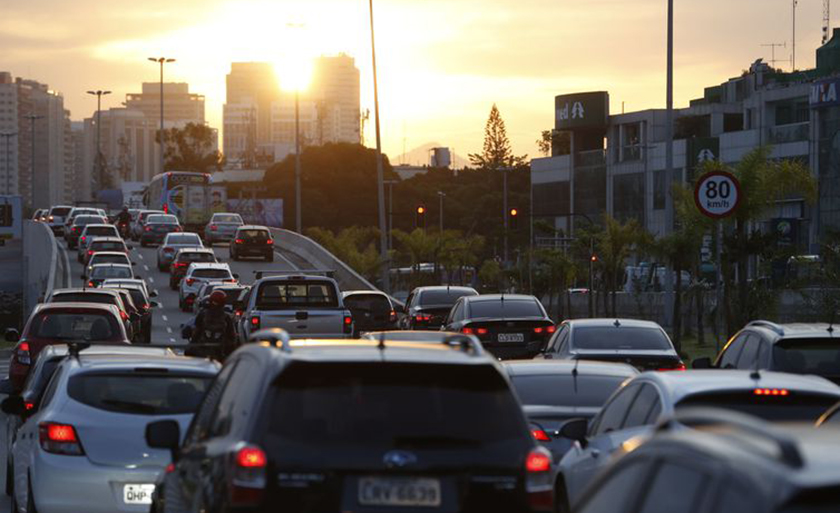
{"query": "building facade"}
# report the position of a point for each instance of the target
(179, 105)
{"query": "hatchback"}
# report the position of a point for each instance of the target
(92, 231)
(174, 242)
(74, 231)
(156, 227)
(105, 257)
(426, 308)
(372, 310)
(250, 241)
(98, 273)
(98, 244)
(222, 227)
(183, 259)
(197, 274)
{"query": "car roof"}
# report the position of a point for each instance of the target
(100, 225)
(77, 290)
(486, 298)
(62, 350)
(109, 253)
(196, 249)
(427, 336)
(347, 293)
(209, 265)
(111, 264)
(127, 361)
(76, 305)
(444, 287)
(107, 239)
(583, 367)
(226, 214)
(611, 322)
(253, 227)
(776, 332)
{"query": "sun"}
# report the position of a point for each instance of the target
(294, 73)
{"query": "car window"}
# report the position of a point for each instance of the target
(183, 239)
(783, 406)
(504, 309)
(734, 499)
(675, 487)
(227, 218)
(371, 303)
(161, 219)
(106, 246)
(442, 297)
(820, 356)
(296, 294)
(617, 493)
(557, 340)
(111, 272)
(84, 297)
(457, 313)
(612, 416)
(224, 417)
(196, 257)
(200, 426)
(101, 231)
(639, 413)
(748, 353)
(253, 235)
(131, 393)
(49, 393)
(730, 355)
(57, 325)
(617, 338)
(565, 390)
(108, 259)
(211, 273)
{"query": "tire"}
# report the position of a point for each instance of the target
(561, 498)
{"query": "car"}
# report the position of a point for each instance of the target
(796, 348)
(98, 273)
(91, 231)
(427, 307)
(139, 222)
(222, 227)
(132, 281)
(250, 241)
(135, 316)
(38, 215)
(372, 310)
(196, 275)
(29, 399)
(183, 259)
(55, 218)
(555, 392)
(84, 449)
(81, 211)
(104, 297)
(156, 226)
(643, 344)
(234, 304)
(641, 403)
(74, 230)
(353, 425)
(421, 336)
(99, 244)
(104, 257)
(729, 463)
(172, 243)
(508, 325)
(144, 304)
(830, 418)
(58, 323)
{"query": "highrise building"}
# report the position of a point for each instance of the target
(179, 105)
(251, 89)
(335, 91)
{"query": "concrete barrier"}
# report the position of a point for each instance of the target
(40, 259)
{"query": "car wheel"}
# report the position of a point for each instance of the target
(561, 497)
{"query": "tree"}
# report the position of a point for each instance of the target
(613, 246)
(191, 149)
(553, 271)
(552, 142)
(355, 246)
(497, 153)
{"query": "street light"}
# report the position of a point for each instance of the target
(98, 168)
(161, 61)
(380, 185)
(669, 160)
(442, 195)
(32, 118)
(8, 136)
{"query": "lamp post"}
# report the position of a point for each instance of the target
(380, 186)
(8, 136)
(298, 221)
(100, 172)
(669, 161)
(441, 195)
(32, 118)
(161, 61)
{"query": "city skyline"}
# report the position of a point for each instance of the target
(441, 65)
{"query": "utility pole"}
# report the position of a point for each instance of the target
(669, 161)
(298, 220)
(32, 118)
(793, 52)
(8, 136)
(441, 195)
(98, 168)
(380, 186)
(161, 61)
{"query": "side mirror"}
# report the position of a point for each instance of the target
(12, 335)
(235, 275)
(702, 363)
(13, 405)
(154, 304)
(164, 434)
(153, 294)
(575, 429)
(6, 387)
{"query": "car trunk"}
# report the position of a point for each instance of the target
(642, 359)
(511, 338)
(431, 316)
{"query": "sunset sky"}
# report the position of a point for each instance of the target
(442, 64)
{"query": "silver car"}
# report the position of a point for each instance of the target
(221, 227)
(172, 243)
(197, 274)
(84, 450)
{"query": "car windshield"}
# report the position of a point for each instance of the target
(161, 219)
(297, 294)
(101, 230)
(60, 211)
(227, 218)
(139, 394)
(84, 297)
(442, 297)
(107, 246)
(504, 309)
(787, 406)
(94, 326)
(83, 220)
(196, 257)
(619, 338)
(111, 271)
(565, 390)
(211, 273)
(373, 303)
(391, 405)
(108, 259)
(819, 356)
(252, 235)
(183, 239)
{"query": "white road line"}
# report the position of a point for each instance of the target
(172, 340)
(294, 267)
(140, 255)
(156, 292)
(151, 279)
(169, 330)
(165, 318)
(145, 267)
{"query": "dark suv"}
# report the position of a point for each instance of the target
(250, 241)
(362, 426)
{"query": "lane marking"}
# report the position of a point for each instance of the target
(151, 279)
(145, 267)
(165, 318)
(294, 267)
(172, 340)
(158, 295)
(140, 255)
(169, 330)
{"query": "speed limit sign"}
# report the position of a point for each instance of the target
(717, 194)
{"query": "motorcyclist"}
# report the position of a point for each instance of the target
(123, 220)
(214, 332)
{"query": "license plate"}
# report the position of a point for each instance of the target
(511, 337)
(138, 493)
(374, 491)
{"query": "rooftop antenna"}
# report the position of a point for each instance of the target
(826, 20)
(755, 374)
(773, 47)
(793, 43)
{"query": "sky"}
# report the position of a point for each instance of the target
(442, 64)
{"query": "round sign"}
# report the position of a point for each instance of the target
(717, 194)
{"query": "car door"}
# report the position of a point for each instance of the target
(618, 492)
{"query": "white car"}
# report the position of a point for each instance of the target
(197, 274)
(131, 281)
(173, 242)
(56, 217)
(98, 273)
(90, 232)
(105, 257)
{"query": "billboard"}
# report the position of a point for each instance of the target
(582, 110)
(824, 93)
(265, 212)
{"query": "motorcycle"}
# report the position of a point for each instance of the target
(123, 228)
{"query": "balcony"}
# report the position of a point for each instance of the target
(789, 133)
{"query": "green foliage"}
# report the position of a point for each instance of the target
(497, 153)
(553, 272)
(354, 246)
(190, 149)
(490, 275)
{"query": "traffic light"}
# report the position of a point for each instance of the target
(420, 216)
(513, 218)
(593, 258)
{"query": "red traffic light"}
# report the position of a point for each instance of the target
(594, 258)
(421, 209)
(514, 212)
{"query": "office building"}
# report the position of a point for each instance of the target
(336, 93)
(179, 105)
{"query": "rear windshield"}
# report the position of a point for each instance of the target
(196, 257)
(392, 405)
(227, 218)
(297, 294)
(184, 239)
(613, 338)
(808, 356)
(81, 297)
(145, 215)
(139, 394)
(793, 407)
(111, 272)
(253, 234)
(564, 390)
(101, 230)
(76, 326)
(137, 297)
(162, 219)
(442, 297)
(108, 259)
(107, 246)
(373, 303)
(60, 211)
(83, 220)
(504, 309)
(211, 273)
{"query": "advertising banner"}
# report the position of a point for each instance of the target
(582, 110)
(265, 212)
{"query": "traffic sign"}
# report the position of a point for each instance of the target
(717, 194)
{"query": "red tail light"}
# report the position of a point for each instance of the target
(538, 480)
(177, 229)
(213, 227)
(540, 435)
(392, 317)
(29, 406)
(165, 208)
(190, 300)
(247, 476)
(481, 331)
(270, 242)
(123, 315)
(422, 318)
(468, 331)
(90, 252)
(348, 324)
(190, 281)
(148, 228)
(59, 439)
(22, 354)
(91, 284)
(239, 241)
(255, 323)
(551, 329)
(238, 313)
(83, 239)
(771, 391)
(679, 367)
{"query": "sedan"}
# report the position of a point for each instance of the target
(105, 257)
(139, 222)
(74, 231)
(172, 243)
(222, 227)
(183, 259)
(157, 226)
(101, 272)
(91, 232)
(100, 244)
(197, 275)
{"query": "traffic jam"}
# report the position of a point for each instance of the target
(280, 391)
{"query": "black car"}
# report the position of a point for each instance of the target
(316, 426)
(156, 227)
(144, 308)
(508, 325)
(427, 307)
(252, 241)
(74, 231)
(643, 344)
(372, 310)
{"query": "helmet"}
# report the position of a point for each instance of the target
(125, 208)
(217, 298)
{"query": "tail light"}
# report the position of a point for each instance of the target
(52, 218)
(348, 324)
(59, 439)
(179, 264)
(190, 300)
(231, 280)
(392, 317)
(213, 227)
(538, 481)
(540, 435)
(481, 331)
(22, 354)
(239, 241)
(123, 315)
(168, 250)
(468, 331)
(82, 240)
(148, 228)
(771, 391)
(29, 406)
(270, 242)
(177, 229)
(539, 330)
(190, 281)
(90, 252)
(91, 284)
(238, 313)
(422, 318)
(165, 208)
(678, 367)
(247, 476)
(255, 322)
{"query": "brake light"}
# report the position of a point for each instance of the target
(679, 367)
(467, 331)
(29, 406)
(251, 457)
(83, 239)
(90, 252)
(165, 208)
(91, 284)
(169, 468)
(771, 391)
(123, 315)
(190, 281)
(58, 438)
(481, 331)
(255, 322)
(22, 354)
(190, 300)
(538, 480)
(551, 329)
(392, 317)
(213, 227)
(247, 476)
(239, 241)
(148, 228)
(422, 318)
(168, 250)
(270, 242)
(540, 435)
(348, 324)
(538, 330)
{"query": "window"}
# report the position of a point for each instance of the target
(506, 309)
(731, 353)
(749, 353)
(297, 295)
(556, 340)
(612, 416)
(377, 304)
(109, 271)
(94, 326)
(734, 499)
(566, 390)
(617, 490)
(612, 338)
(795, 406)
(51, 388)
(442, 297)
(674, 488)
(225, 411)
(819, 356)
(227, 218)
(200, 426)
(139, 394)
(253, 235)
(220, 274)
(646, 401)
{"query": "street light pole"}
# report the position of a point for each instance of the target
(669, 162)
(505, 213)
(380, 186)
(298, 221)
(100, 172)
(32, 118)
(442, 195)
(8, 136)
(390, 184)
(161, 61)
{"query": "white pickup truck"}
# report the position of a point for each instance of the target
(307, 304)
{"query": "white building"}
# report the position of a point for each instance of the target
(179, 105)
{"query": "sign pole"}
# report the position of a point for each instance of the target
(719, 319)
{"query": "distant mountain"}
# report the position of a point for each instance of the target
(421, 155)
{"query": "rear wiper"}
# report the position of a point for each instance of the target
(128, 405)
(433, 441)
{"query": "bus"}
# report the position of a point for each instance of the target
(190, 196)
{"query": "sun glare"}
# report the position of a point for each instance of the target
(294, 73)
